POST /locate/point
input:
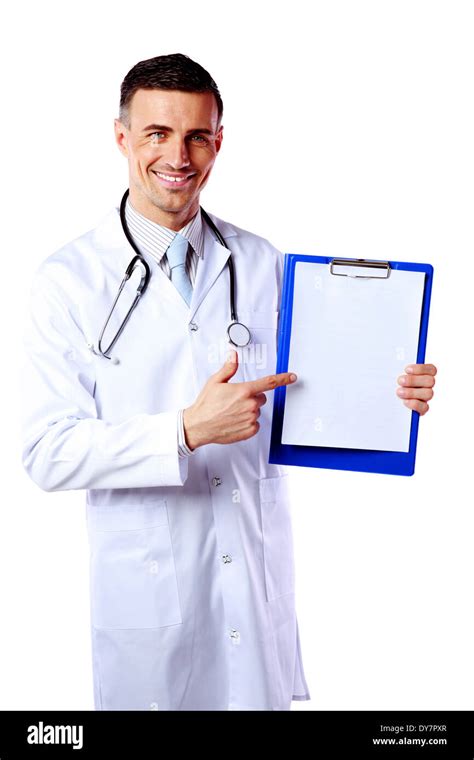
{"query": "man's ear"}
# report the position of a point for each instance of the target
(219, 138)
(121, 137)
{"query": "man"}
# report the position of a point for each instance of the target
(192, 576)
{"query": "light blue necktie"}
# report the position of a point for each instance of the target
(176, 254)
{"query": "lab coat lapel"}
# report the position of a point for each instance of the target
(211, 265)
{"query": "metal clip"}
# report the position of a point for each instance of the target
(377, 266)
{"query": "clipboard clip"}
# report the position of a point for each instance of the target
(380, 269)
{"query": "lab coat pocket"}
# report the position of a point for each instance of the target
(277, 537)
(259, 357)
(133, 576)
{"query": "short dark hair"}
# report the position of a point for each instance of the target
(167, 72)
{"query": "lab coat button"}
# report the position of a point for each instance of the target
(235, 636)
(226, 558)
(216, 481)
(193, 326)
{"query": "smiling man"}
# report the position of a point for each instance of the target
(169, 162)
(192, 571)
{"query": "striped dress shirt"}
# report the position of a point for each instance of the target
(154, 239)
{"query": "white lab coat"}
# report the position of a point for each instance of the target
(191, 563)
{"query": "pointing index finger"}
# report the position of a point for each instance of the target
(270, 382)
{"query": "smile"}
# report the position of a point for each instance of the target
(169, 179)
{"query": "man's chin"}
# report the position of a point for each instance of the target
(172, 203)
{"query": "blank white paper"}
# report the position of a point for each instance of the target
(350, 340)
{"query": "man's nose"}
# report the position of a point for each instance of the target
(178, 155)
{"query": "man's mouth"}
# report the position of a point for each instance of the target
(173, 180)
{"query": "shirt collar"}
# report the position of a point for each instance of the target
(155, 239)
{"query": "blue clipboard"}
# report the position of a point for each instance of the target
(361, 460)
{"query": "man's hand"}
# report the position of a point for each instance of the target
(417, 386)
(227, 412)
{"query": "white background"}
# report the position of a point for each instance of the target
(348, 131)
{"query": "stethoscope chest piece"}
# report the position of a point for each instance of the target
(239, 334)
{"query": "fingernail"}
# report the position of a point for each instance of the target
(292, 378)
(401, 391)
(403, 380)
(409, 369)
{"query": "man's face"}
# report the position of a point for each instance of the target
(171, 146)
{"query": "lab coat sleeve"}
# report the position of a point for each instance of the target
(64, 443)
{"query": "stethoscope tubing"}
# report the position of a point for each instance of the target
(139, 260)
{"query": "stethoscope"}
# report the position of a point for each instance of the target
(237, 332)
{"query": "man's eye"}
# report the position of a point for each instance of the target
(199, 138)
(155, 135)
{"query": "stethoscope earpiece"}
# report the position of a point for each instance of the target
(112, 359)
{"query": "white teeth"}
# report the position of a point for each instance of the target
(171, 179)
